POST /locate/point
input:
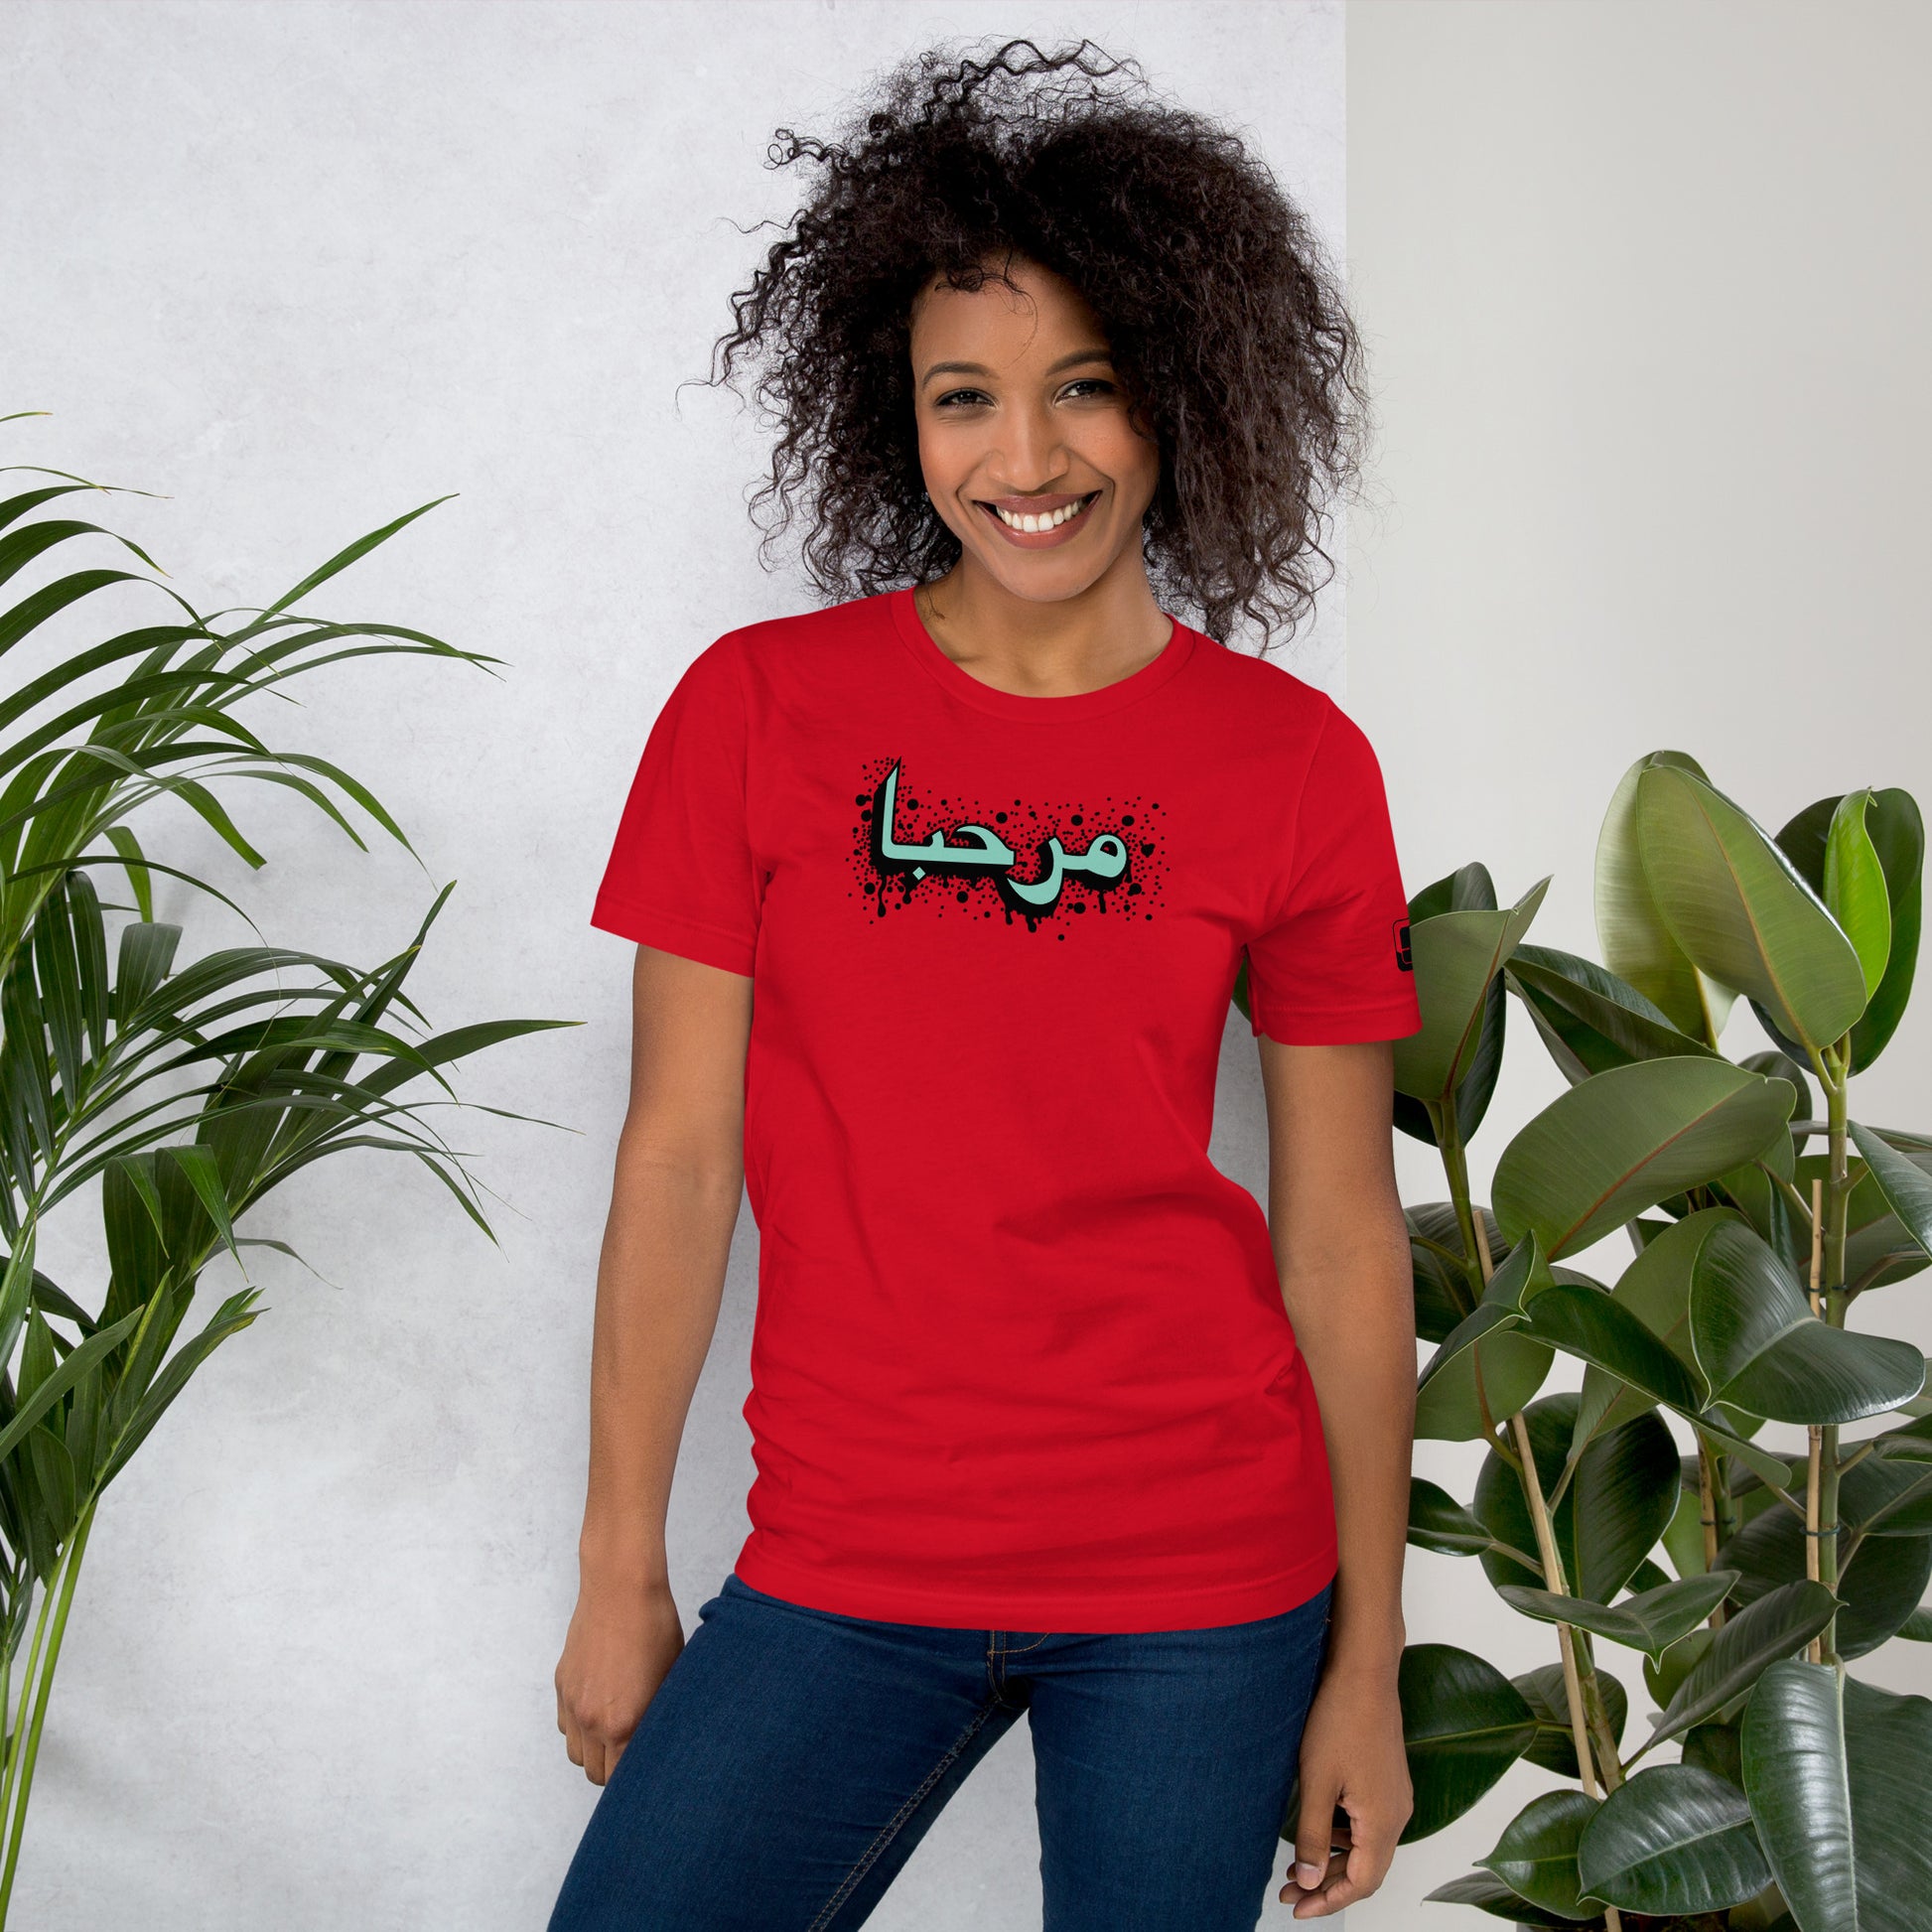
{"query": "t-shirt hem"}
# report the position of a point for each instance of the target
(1088, 1612)
(668, 933)
(1344, 1026)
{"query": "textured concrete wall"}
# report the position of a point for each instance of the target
(303, 268)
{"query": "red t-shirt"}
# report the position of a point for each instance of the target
(1020, 1358)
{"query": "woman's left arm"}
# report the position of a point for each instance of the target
(1342, 1249)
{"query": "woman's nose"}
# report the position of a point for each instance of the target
(1031, 453)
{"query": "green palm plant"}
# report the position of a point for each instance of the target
(1797, 1794)
(188, 1091)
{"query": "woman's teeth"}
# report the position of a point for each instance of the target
(1051, 520)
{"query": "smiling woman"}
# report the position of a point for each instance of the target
(1037, 453)
(1027, 412)
(991, 838)
(1211, 299)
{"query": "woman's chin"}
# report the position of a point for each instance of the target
(1042, 576)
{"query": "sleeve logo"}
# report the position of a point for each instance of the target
(1404, 959)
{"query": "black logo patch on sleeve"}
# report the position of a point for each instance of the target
(1403, 960)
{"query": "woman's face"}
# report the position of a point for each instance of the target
(1019, 412)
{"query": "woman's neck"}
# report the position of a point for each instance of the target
(1050, 650)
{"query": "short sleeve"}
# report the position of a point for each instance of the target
(681, 875)
(1332, 964)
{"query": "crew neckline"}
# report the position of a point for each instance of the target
(1059, 710)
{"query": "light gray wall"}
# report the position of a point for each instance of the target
(1648, 291)
(304, 268)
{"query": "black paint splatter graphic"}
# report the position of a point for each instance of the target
(1106, 855)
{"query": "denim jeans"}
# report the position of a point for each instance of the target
(792, 1758)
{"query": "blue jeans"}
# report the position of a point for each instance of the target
(792, 1758)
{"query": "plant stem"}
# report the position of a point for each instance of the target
(1579, 1671)
(1475, 1244)
(1814, 1435)
(17, 1736)
(1707, 1515)
(1554, 1583)
(1833, 1067)
(1474, 1232)
(1840, 1184)
(1724, 1504)
(1826, 1537)
(24, 1580)
(1608, 1761)
(67, 1574)
(37, 1684)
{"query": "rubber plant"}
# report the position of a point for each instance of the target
(1771, 1788)
(187, 1089)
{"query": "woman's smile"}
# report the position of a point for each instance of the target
(1038, 522)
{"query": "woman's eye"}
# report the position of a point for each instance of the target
(1080, 387)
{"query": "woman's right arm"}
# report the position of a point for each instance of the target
(679, 1173)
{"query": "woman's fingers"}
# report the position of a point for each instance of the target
(1315, 1831)
(588, 1746)
(1365, 1850)
(594, 1750)
(619, 1648)
(1352, 1754)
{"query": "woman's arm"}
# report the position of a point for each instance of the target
(680, 1168)
(1341, 1248)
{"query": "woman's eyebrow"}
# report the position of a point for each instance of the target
(1067, 361)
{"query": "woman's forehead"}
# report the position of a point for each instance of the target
(1022, 292)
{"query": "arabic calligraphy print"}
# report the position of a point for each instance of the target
(1024, 861)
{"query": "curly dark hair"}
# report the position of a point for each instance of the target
(1226, 321)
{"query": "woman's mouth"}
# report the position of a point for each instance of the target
(1039, 529)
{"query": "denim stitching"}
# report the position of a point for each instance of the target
(1024, 1647)
(893, 1826)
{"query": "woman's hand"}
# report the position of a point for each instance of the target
(620, 1645)
(1352, 1760)
(1347, 1282)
